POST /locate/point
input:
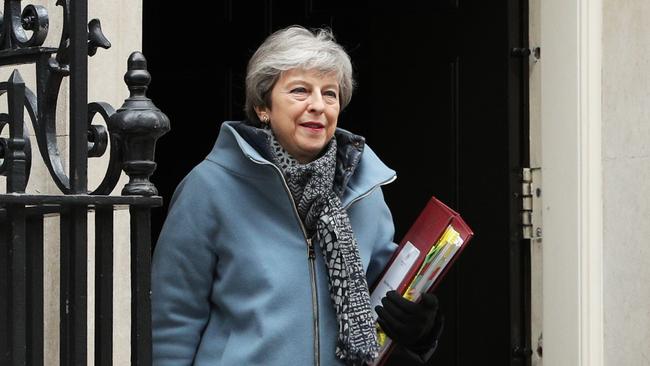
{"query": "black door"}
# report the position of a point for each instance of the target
(439, 98)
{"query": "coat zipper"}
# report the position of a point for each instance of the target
(314, 299)
(311, 254)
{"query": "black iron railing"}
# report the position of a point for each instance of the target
(131, 132)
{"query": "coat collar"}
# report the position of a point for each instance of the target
(241, 148)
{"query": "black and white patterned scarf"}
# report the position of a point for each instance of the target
(321, 211)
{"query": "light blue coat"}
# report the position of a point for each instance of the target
(231, 282)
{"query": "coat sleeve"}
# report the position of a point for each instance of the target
(384, 244)
(183, 268)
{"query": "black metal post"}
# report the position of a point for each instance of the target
(74, 246)
(35, 290)
(16, 213)
(16, 180)
(104, 286)
(79, 97)
(66, 349)
(140, 286)
(73, 287)
(18, 297)
(5, 293)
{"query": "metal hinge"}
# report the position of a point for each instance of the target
(531, 208)
(535, 52)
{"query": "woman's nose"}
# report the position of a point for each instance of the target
(316, 103)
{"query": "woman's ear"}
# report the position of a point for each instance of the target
(262, 114)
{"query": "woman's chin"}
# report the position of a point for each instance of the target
(311, 143)
(309, 152)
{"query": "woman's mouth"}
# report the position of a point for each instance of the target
(314, 126)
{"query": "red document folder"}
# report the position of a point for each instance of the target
(425, 232)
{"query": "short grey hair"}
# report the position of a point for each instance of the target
(291, 48)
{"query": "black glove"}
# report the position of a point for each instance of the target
(412, 325)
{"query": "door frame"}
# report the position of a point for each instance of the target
(572, 174)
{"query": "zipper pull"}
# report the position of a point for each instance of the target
(310, 249)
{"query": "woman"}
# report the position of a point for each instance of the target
(270, 243)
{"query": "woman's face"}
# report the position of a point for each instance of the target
(304, 112)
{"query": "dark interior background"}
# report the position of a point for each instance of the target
(439, 98)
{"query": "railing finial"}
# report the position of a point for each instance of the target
(138, 124)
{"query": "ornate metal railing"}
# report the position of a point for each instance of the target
(131, 133)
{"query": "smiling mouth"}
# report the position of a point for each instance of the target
(313, 125)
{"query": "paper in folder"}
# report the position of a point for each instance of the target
(424, 256)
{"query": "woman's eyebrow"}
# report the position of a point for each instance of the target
(305, 82)
(294, 82)
(297, 79)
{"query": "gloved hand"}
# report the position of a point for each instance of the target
(407, 323)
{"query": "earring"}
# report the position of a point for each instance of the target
(265, 118)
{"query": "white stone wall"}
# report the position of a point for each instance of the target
(121, 22)
(626, 181)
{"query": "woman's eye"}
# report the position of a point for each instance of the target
(299, 90)
(330, 93)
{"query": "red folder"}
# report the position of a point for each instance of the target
(424, 234)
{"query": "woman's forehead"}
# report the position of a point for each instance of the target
(309, 75)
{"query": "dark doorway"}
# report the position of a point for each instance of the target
(439, 98)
